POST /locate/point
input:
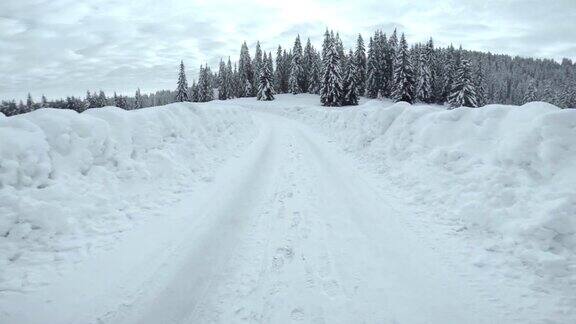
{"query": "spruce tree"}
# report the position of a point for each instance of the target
(205, 92)
(91, 100)
(270, 65)
(237, 87)
(331, 91)
(307, 62)
(380, 47)
(230, 80)
(350, 86)
(265, 90)
(392, 56)
(372, 72)
(138, 102)
(339, 49)
(222, 82)
(245, 71)
(120, 101)
(314, 82)
(450, 66)
(279, 73)
(463, 91)
(29, 103)
(257, 64)
(480, 85)
(295, 82)
(424, 84)
(182, 87)
(530, 93)
(403, 74)
(101, 100)
(360, 65)
(43, 102)
(194, 92)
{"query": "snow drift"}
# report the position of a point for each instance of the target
(505, 171)
(69, 180)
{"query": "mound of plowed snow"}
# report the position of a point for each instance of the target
(504, 173)
(68, 181)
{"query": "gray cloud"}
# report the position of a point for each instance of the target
(64, 47)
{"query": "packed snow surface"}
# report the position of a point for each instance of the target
(285, 211)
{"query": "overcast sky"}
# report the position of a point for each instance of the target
(64, 47)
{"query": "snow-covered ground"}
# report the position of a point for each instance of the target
(285, 211)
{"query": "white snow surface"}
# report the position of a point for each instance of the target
(284, 211)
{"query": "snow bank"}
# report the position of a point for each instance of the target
(69, 180)
(505, 171)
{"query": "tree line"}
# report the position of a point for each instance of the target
(388, 68)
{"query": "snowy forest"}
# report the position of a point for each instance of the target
(383, 67)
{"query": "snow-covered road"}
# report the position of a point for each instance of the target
(288, 231)
(304, 237)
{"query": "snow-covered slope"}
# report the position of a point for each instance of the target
(72, 182)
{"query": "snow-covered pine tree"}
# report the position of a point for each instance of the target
(360, 65)
(307, 62)
(530, 93)
(371, 72)
(450, 65)
(194, 92)
(388, 67)
(230, 80)
(350, 86)
(293, 86)
(325, 46)
(43, 102)
(270, 65)
(248, 87)
(265, 89)
(463, 91)
(138, 102)
(123, 102)
(295, 80)
(314, 83)
(404, 82)
(101, 100)
(9, 108)
(21, 108)
(222, 81)
(71, 103)
(279, 73)
(245, 71)
(205, 92)
(182, 86)
(238, 87)
(392, 57)
(257, 64)
(91, 100)
(29, 103)
(424, 84)
(380, 47)
(286, 64)
(480, 85)
(119, 101)
(339, 49)
(331, 91)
